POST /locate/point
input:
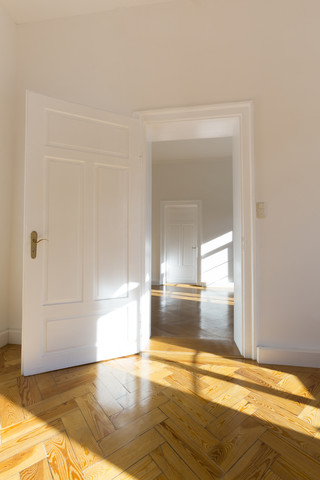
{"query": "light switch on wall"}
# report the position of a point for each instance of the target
(261, 209)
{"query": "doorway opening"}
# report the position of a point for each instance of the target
(214, 122)
(192, 244)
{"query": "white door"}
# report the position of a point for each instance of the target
(81, 293)
(180, 236)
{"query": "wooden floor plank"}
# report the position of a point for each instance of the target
(28, 389)
(226, 400)
(281, 400)
(11, 410)
(231, 419)
(191, 404)
(145, 469)
(124, 435)
(105, 398)
(311, 415)
(122, 370)
(260, 377)
(253, 465)
(142, 383)
(37, 471)
(44, 406)
(82, 440)
(125, 457)
(171, 465)
(130, 399)
(297, 384)
(287, 471)
(112, 383)
(66, 388)
(144, 406)
(15, 477)
(30, 439)
(26, 426)
(304, 443)
(269, 412)
(193, 383)
(234, 445)
(271, 476)
(197, 433)
(21, 461)
(45, 381)
(196, 460)
(215, 390)
(80, 372)
(98, 421)
(62, 460)
(293, 455)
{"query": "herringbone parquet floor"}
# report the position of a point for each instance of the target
(155, 416)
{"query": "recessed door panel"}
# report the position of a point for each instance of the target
(82, 132)
(63, 278)
(173, 245)
(187, 245)
(111, 232)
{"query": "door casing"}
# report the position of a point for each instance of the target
(211, 121)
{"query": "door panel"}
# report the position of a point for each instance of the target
(63, 277)
(188, 242)
(86, 133)
(172, 243)
(81, 294)
(111, 230)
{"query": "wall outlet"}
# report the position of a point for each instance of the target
(261, 209)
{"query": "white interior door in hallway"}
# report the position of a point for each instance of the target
(180, 242)
(83, 194)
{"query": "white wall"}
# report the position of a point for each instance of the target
(207, 180)
(190, 53)
(7, 107)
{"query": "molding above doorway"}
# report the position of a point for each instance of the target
(213, 121)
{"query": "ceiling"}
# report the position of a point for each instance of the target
(25, 11)
(191, 150)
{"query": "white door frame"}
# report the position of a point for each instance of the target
(163, 204)
(234, 120)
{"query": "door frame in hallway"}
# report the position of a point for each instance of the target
(212, 121)
(163, 226)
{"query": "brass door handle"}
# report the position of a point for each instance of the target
(34, 243)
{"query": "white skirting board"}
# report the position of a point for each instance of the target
(10, 336)
(15, 336)
(4, 338)
(285, 356)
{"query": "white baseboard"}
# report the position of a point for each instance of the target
(285, 356)
(4, 338)
(15, 336)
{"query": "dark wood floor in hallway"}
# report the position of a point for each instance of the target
(193, 317)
